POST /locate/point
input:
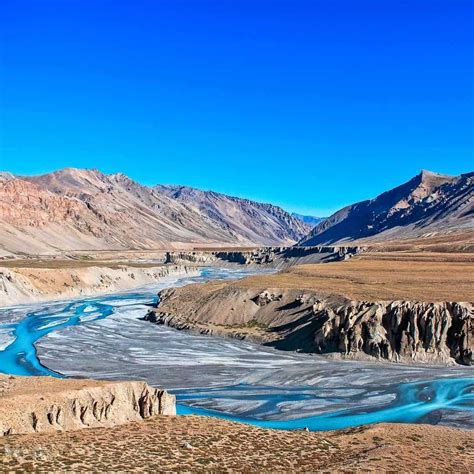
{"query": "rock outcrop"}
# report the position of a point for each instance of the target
(45, 404)
(397, 331)
(303, 320)
(274, 257)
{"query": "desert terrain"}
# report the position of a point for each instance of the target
(198, 444)
(72, 274)
(34, 281)
(397, 292)
(418, 276)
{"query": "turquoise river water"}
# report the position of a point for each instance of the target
(104, 337)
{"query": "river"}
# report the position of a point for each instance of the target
(104, 337)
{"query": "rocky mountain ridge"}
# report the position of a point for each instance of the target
(311, 220)
(248, 217)
(429, 204)
(75, 209)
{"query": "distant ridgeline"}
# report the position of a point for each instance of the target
(74, 209)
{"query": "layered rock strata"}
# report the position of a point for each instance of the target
(275, 257)
(288, 319)
(45, 404)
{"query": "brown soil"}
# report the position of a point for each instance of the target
(160, 443)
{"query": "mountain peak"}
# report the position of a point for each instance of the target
(427, 175)
(6, 176)
(76, 172)
(429, 202)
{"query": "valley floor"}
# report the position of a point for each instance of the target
(197, 444)
(399, 306)
(192, 443)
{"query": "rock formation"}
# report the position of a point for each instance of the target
(274, 257)
(304, 320)
(45, 404)
(397, 330)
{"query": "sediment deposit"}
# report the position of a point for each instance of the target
(32, 284)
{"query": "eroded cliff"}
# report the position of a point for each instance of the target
(46, 404)
(274, 257)
(311, 321)
(31, 284)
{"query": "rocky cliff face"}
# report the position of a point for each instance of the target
(429, 204)
(44, 404)
(273, 257)
(398, 331)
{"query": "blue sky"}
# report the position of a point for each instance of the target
(308, 104)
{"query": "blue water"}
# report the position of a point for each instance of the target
(102, 337)
(20, 358)
(413, 403)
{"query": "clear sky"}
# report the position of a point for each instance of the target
(308, 104)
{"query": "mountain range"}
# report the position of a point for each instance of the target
(78, 209)
(427, 205)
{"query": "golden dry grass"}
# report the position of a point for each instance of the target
(381, 276)
(457, 241)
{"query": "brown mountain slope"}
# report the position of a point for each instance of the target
(240, 216)
(73, 209)
(428, 205)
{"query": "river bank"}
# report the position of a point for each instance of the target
(23, 284)
(105, 337)
(410, 308)
(27, 279)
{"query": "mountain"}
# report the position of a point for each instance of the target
(427, 205)
(255, 222)
(77, 209)
(310, 220)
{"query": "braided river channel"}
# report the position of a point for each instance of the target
(104, 337)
